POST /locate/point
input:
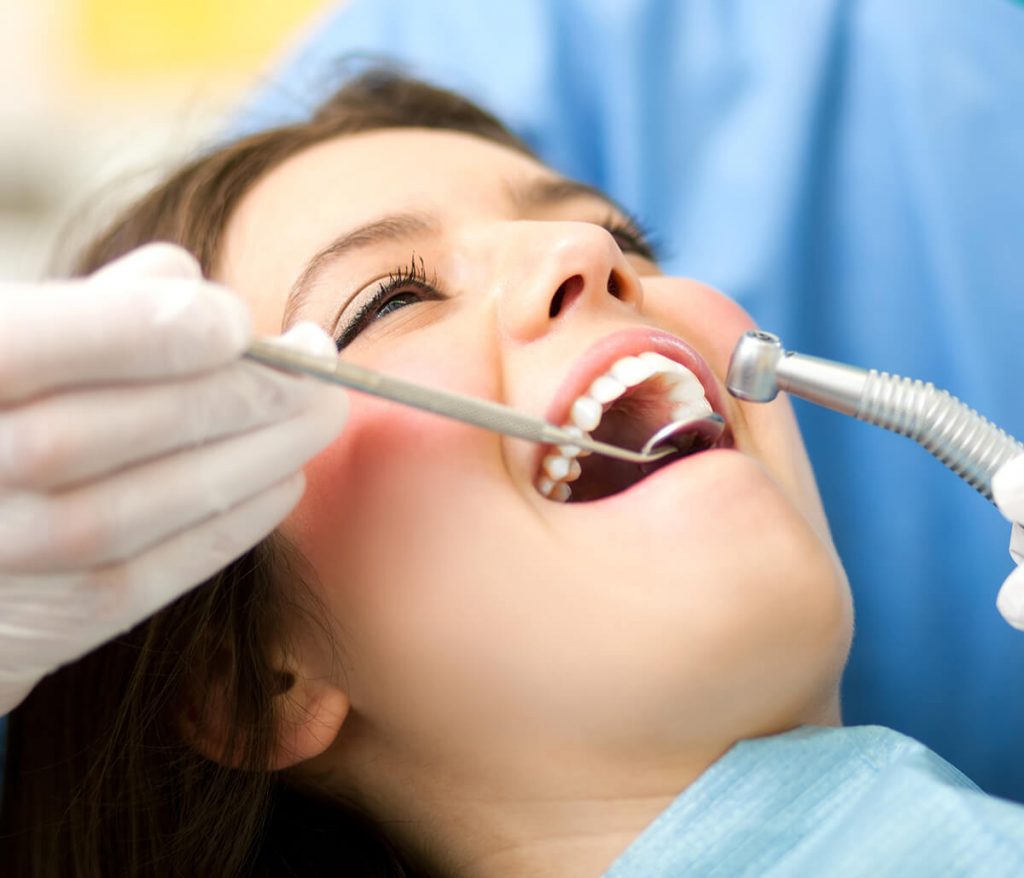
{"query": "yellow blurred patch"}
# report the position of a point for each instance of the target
(118, 37)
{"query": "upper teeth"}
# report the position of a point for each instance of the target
(682, 388)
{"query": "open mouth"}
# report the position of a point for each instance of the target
(625, 405)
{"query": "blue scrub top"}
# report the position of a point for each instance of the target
(853, 174)
(848, 802)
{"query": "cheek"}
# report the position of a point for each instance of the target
(714, 323)
(391, 495)
(398, 524)
(701, 314)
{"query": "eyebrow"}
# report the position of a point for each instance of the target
(395, 228)
(550, 191)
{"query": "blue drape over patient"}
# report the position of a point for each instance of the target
(853, 174)
(864, 801)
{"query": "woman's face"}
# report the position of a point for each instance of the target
(476, 614)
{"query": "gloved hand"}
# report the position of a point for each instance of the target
(1008, 491)
(138, 453)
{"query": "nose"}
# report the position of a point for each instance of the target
(554, 268)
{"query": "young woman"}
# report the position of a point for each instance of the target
(462, 654)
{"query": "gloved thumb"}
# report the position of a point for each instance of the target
(1011, 599)
(1008, 489)
(152, 260)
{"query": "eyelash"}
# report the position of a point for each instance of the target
(632, 237)
(411, 278)
(408, 278)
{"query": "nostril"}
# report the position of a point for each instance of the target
(565, 295)
(556, 301)
(615, 284)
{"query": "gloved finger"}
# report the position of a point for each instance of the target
(309, 338)
(1017, 543)
(1008, 489)
(48, 620)
(78, 333)
(118, 517)
(62, 440)
(1010, 600)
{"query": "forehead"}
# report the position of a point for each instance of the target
(302, 204)
(391, 166)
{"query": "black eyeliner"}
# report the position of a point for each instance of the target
(414, 275)
(354, 326)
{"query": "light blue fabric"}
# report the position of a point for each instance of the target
(853, 173)
(862, 801)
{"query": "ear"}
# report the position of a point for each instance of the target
(309, 708)
(310, 711)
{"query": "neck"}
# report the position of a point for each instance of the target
(575, 838)
(574, 828)
(504, 818)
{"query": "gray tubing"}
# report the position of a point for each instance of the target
(969, 444)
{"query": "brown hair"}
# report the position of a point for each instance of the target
(99, 778)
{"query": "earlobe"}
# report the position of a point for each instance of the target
(310, 715)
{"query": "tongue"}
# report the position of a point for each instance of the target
(604, 477)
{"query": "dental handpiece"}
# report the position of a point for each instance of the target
(970, 445)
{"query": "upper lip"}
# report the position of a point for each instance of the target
(600, 356)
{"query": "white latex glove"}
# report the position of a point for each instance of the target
(1008, 491)
(138, 453)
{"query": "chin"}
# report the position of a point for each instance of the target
(745, 604)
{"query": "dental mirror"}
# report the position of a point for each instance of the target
(685, 435)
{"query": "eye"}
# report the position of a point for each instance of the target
(631, 238)
(395, 303)
(407, 285)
